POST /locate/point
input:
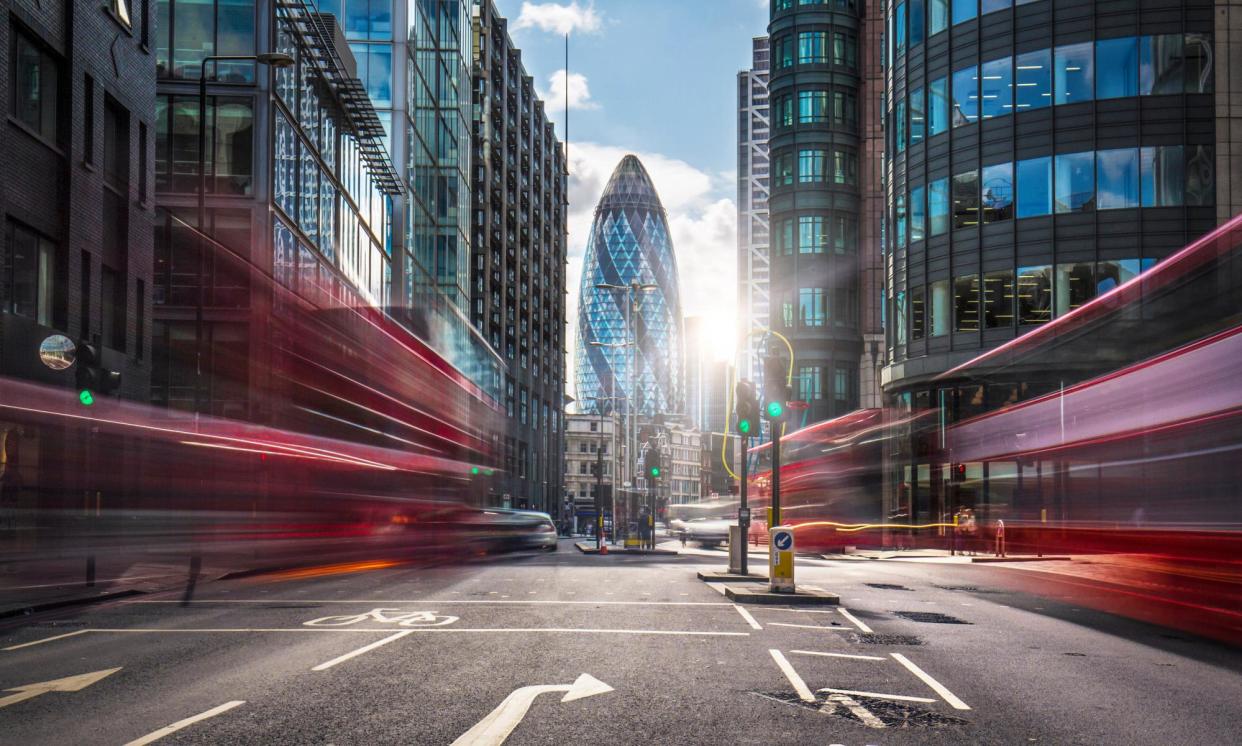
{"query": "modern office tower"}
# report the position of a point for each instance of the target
(629, 312)
(753, 189)
(872, 210)
(1039, 155)
(77, 87)
(519, 251)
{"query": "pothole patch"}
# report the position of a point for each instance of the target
(875, 638)
(891, 714)
(930, 617)
(888, 586)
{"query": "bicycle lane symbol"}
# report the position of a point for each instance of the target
(386, 616)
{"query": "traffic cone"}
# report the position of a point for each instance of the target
(603, 547)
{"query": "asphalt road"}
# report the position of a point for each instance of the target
(413, 655)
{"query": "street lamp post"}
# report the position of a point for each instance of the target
(599, 477)
(272, 59)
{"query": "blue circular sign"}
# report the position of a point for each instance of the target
(782, 540)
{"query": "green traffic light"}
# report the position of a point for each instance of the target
(655, 471)
(775, 409)
(743, 427)
(86, 397)
(474, 470)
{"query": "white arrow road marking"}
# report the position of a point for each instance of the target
(936, 686)
(500, 722)
(67, 684)
(167, 729)
(862, 713)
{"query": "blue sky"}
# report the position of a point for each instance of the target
(657, 78)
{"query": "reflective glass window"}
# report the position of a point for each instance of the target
(917, 22)
(991, 6)
(966, 199)
(938, 299)
(918, 313)
(996, 88)
(966, 303)
(812, 307)
(812, 165)
(1075, 182)
(918, 116)
(1111, 273)
(35, 84)
(918, 214)
(1034, 294)
(787, 241)
(998, 299)
(844, 49)
(783, 110)
(1074, 285)
(1033, 80)
(899, 218)
(1117, 178)
(1117, 61)
(845, 234)
(996, 197)
(938, 206)
(938, 106)
(1162, 175)
(965, 96)
(812, 47)
(899, 23)
(1200, 176)
(937, 16)
(812, 107)
(1160, 64)
(783, 51)
(1198, 55)
(964, 10)
(1073, 67)
(812, 234)
(1034, 187)
(783, 169)
(844, 167)
(367, 19)
(899, 118)
(375, 71)
(899, 317)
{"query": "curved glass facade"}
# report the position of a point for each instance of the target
(1037, 155)
(629, 244)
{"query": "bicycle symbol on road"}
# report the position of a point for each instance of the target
(386, 616)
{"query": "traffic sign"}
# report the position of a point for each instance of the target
(783, 540)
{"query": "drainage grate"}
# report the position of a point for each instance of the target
(874, 638)
(892, 714)
(888, 586)
(929, 617)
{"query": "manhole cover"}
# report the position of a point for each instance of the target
(888, 586)
(875, 638)
(892, 714)
(929, 617)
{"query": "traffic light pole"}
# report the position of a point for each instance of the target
(743, 512)
(776, 474)
(599, 485)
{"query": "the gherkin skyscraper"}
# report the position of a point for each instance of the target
(630, 245)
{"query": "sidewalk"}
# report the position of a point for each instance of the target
(940, 555)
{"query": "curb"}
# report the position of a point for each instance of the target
(69, 602)
(1048, 558)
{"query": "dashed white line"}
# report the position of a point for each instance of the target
(810, 626)
(839, 655)
(749, 619)
(804, 692)
(169, 729)
(361, 650)
(857, 623)
(878, 695)
(45, 639)
(939, 688)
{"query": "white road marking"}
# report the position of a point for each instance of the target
(860, 712)
(429, 601)
(857, 623)
(67, 684)
(420, 630)
(45, 639)
(364, 649)
(798, 684)
(840, 655)
(810, 626)
(877, 695)
(496, 726)
(939, 688)
(749, 619)
(800, 611)
(166, 730)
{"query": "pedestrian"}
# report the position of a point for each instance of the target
(1000, 538)
(958, 519)
(970, 530)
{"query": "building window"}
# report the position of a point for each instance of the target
(813, 48)
(899, 317)
(844, 167)
(918, 117)
(1075, 285)
(937, 107)
(966, 200)
(1034, 187)
(845, 234)
(998, 299)
(810, 387)
(899, 119)
(997, 195)
(116, 145)
(783, 112)
(1073, 68)
(1034, 294)
(917, 21)
(1075, 182)
(918, 214)
(1118, 63)
(375, 71)
(812, 107)
(938, 206)
(1033, 80)
(938, 16)
(230, 134)
(1117, 179)
(966, 303)
(844, 110)
(1161, 64)
(36, 86)
(29, 274)
(964, 10)
(996, 88)
(842, 385)
(991, 6)
(114, 302)
(812, 236)
(786, 237)
(1162, 171)
(940, 308)
(899, 27)
(191, 30)
(812, 307)
(899, 219)
(783, 51)
(918, 313)
(783, 169)
(844, 49)
(88, 119)
(965, 96)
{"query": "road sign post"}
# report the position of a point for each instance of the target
(781, 559)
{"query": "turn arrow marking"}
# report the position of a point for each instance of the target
(67, 684)
(500, 722)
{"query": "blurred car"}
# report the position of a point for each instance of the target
(708, 531)
(516, 530)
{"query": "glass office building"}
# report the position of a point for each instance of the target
(630, 243)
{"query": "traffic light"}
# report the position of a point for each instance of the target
(746, 408)
(776, 392)
(651, 462)
(91, 377)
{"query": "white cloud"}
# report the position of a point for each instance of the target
(562, 19)
(703, 227)
(579, 93)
